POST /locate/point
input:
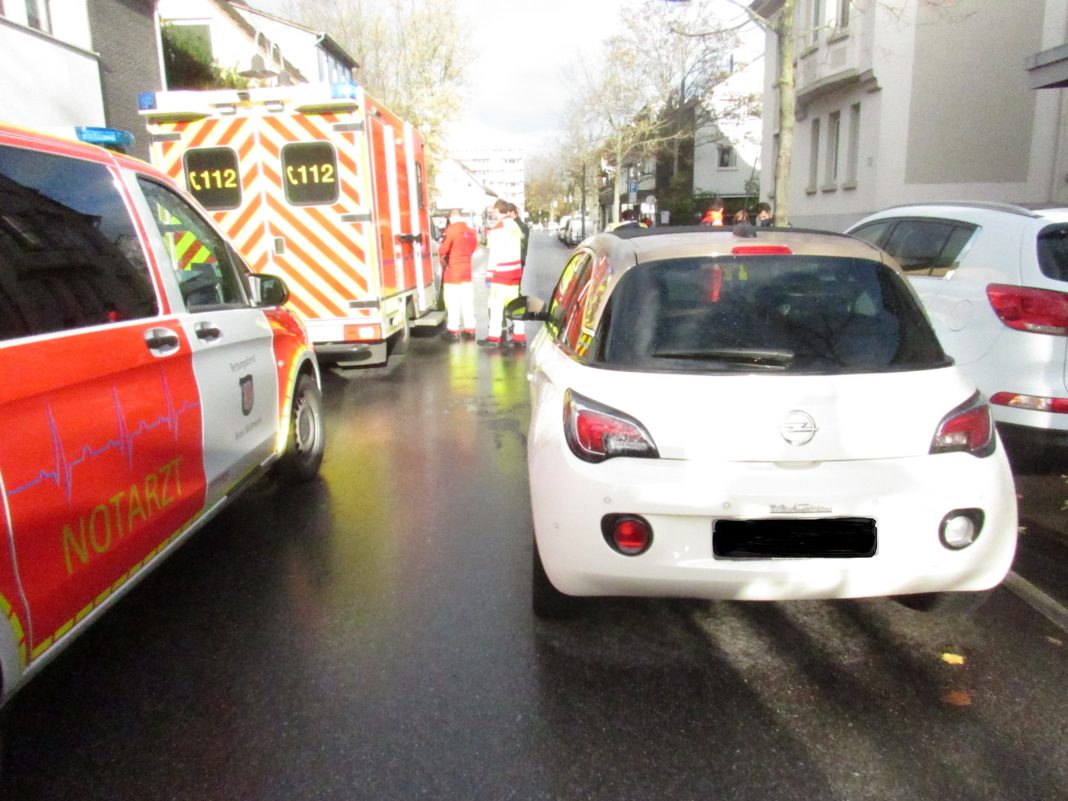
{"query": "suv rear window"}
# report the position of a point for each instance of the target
(1053, 252)
(790, 314)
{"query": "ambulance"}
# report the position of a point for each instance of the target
(318, 184)
(141, 394)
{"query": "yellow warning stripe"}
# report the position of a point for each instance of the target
(16, 627)
(66, 628)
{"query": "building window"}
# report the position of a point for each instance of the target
(843, 14)
(38, 15)
(834, 129)
(853, 154)
(728, 158)
(816, 20)
(814, 157)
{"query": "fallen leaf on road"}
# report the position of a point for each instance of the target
(1054, 641)
(952, 659)
(957, 698)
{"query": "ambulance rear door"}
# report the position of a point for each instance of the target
(293, 200)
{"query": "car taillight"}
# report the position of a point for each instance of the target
(1039, 311)
(595, 432)
(1037, 403)
(968, 428)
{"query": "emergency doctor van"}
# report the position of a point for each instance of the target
(141, 392)
(321, 185)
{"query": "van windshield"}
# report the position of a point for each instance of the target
(769, 314)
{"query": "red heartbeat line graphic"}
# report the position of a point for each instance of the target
(62, 472)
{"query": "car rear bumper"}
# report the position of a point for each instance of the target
(907, 499)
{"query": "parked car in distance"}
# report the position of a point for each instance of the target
(561, 231)
(994, 281)
(577, 230)
(149, 378)
(758, 414)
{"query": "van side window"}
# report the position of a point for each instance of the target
(69, 254)
(206, 273)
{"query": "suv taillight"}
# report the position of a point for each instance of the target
(1039, 311)
(969, 428)
(595, 432)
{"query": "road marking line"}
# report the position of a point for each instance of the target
(1047, 606)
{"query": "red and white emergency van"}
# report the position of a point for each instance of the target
(319, 184)
(140, 393)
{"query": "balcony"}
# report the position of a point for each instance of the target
(829, 60)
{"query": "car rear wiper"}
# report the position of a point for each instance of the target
(756, 357)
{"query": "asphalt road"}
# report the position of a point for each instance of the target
(369, 637)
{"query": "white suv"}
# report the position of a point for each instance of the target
(994, 281)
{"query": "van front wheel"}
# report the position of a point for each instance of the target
(306, 442)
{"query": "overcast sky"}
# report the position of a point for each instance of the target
(519, 85)
(521, 51)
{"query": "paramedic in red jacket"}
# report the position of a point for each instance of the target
(459, 242)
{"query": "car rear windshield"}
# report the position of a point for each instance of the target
(790, 314)
(1053, 252)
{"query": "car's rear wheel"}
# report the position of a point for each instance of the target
(547, 601)
(950, 604)
(304, 449)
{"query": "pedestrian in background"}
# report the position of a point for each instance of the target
(714, 215)
(504, 271)
(763, 214)
(741, 216)
(513, 212)
(457, 246)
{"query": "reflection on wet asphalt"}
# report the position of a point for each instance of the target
(368, 636)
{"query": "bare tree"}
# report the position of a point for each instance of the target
(409, 52)
(646, 77)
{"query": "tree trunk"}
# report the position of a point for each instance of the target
(787, 103)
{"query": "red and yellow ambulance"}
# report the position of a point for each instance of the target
(141, 391)
(321, 185)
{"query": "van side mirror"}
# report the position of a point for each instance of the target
(269, 290)
(526, 308)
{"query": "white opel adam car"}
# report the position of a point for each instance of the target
(754, 414)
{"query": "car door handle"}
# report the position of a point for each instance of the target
(209, 332)
(162, 341)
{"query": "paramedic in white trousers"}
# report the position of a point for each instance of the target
(504, 271)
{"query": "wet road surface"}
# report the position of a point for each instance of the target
(369, 637)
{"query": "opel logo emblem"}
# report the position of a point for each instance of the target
(798, 428)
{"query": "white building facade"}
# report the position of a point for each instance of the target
(500, 170)
(904, 101)
(727, 150)
(49, 71)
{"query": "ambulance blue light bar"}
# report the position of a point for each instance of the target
(105, 137)
(343, 91)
